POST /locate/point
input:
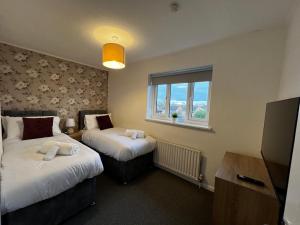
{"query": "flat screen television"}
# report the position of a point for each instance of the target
(278, 142)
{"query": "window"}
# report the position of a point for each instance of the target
(178, 100)
(161, 99)
(200, 100)
(186, 93)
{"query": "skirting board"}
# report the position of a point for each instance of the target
(208, 187)
(202, 185)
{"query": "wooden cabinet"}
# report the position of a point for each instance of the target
(76, 135)
(240, 203)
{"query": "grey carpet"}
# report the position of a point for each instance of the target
(158, 198)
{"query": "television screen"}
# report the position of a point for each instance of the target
(278, 142)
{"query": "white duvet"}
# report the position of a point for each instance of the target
(27, 178)
(114, 143)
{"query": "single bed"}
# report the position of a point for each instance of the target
(122, 157)
(38, 192)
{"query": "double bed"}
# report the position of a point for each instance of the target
(38, 192)
(121, 156)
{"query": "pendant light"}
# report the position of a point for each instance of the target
(113, 56)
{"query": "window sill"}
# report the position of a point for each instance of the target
(187, 125)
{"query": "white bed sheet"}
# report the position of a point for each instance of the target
(112, 142)
(27, 179)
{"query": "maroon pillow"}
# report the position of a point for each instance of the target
(104, 122)
(37, 128)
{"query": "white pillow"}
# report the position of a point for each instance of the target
(90, 121)
(14, 126)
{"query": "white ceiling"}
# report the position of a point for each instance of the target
(66, 28)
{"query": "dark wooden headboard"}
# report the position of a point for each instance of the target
(82, 113)
(17, 113)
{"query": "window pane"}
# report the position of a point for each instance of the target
(200, 101)
(161, 99)
(178, 100)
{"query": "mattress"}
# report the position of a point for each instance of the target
(27, 179)
(113, 143)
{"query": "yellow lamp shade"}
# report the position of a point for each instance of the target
(113, 56)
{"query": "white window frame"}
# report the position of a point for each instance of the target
(189, 106)
(154, 101)
(191, 99)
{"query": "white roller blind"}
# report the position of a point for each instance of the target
(183, 76)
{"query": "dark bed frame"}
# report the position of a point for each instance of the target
(57, 209)
(122, 171)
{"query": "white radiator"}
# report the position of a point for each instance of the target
(182, 160)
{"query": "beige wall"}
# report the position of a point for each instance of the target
(290, 87)
(290, 80)
(245, 77)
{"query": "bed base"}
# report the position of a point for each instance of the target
(55, 210)
(127, 171)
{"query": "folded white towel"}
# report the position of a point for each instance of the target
(67, 148)
(63, 148)
(52, 151)
(134, 133)
(131, 134)
(45, 147)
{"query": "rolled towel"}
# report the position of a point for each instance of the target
(52, 151)
(139, 133)
(67, 148)
(131, 134)
(63, 148)
(44, 148)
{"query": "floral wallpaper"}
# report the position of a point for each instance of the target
(33, 81)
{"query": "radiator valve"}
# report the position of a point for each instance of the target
(201, 177)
